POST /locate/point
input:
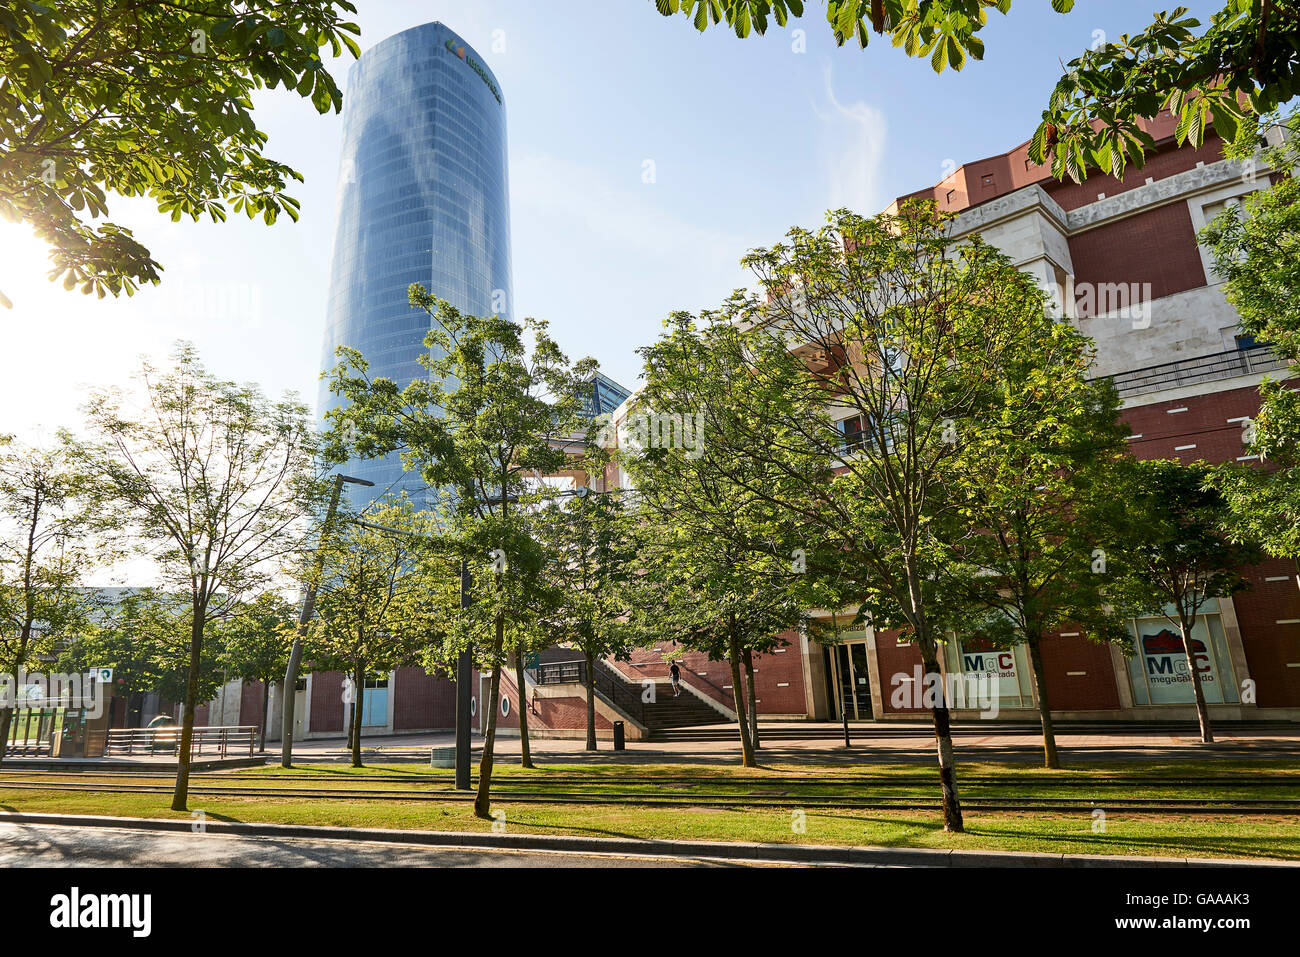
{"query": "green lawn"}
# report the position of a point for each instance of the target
(1265, 836)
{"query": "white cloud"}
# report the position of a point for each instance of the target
(854, 136)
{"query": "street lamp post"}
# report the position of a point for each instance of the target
(304, 618)
(464, 676)
(465, 659)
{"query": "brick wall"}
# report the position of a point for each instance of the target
(1094, 690)
(326, 701)
(1170, 160)
(1157, 247)
(1205, 424)
(250, 704)
(778, 677)
(422, 701)
(895, 659)
(1269, 647)
(565, 714)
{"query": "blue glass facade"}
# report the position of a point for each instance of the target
(423, 197)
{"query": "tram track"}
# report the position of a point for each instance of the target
(1242, 782)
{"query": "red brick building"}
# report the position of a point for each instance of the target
(1122, 259)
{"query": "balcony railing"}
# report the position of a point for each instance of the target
(561, 672)
(1205, 368)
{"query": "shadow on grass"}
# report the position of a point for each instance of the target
(1264, 847)
(226, 818)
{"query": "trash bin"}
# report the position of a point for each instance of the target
(618, 735)
(442, 757)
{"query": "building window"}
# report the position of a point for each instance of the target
(1159, 671)
(851, 429)
(978, 671)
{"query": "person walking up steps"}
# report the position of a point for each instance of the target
(677, 679)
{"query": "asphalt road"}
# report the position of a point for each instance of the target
(28, 845)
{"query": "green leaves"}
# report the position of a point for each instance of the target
(498, 407)
(140, 101)
(1246, 61)
(944, 30)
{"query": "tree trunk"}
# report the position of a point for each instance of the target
(525, 756)
(266, 712)
(738, 696)
(1202, 712)
(1050, 758)
(943, 739)
(358, 700)
(483, 799)
(6, 718)
(180, 799)
(591, 702)
(753, 699)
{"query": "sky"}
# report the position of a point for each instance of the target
(645, 160)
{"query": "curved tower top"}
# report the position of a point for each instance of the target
(423, 196)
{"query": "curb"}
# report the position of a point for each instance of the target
(860, 856)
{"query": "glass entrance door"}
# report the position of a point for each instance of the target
(848, 700)
(861, 681)
(850, 680)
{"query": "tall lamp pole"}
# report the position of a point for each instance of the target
(465, 660)
(304, 618)
(464, 676)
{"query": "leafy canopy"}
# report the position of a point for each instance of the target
(142, 98)
(1245, 61)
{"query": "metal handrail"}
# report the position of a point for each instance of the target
(222, 738)
(1204, 368)
(617, 689)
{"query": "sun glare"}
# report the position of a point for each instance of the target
(24, 260)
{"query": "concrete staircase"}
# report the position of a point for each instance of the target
(666, 713)
(683, 712)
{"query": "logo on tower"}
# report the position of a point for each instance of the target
(462, 52)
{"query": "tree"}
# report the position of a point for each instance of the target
(1181, 556)
(591, 550)
(1043, 497)
(709, 595)
(255, 640)
(944, 30)
(42, 558)
(384, 597)
(1245, 61)
(144, 636)
(889, 350)
(214, 479)
(149, 99)
(1243, 65)
(1256, 250)
(728, 568)
(485, 422)
(1265, 501)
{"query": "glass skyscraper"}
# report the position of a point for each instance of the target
(423, 197)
